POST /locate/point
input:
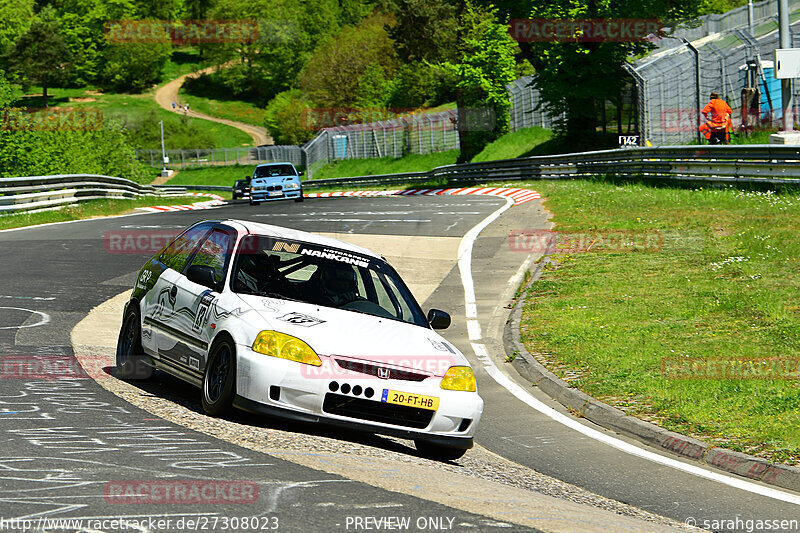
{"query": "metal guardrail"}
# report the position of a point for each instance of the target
(770, 165)
(43, 192)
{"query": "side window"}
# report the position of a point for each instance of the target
(383, 297)
(214, 253)
(177, 254)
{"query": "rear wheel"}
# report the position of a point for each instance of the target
(130, 364)
(219, 379)
(438, 452)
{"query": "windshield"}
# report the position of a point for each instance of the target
(271, 171)
(323, 276)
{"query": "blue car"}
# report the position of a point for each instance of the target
(275, 181)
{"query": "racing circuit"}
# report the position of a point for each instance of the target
(70, 444)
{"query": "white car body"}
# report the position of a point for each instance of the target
(181, 321)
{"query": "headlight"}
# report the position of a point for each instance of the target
(459, 378)
(291, 186)
(285, 347)
(257, 188)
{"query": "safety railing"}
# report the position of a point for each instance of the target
(43, 192)
(771, 165)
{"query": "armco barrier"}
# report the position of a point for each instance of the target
(765, 165)
(43, 192)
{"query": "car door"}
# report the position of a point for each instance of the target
(189, 329)
(158, 305)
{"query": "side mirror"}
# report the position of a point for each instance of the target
(438, 319)
(247, 177)
(300, 173)
(202, 275)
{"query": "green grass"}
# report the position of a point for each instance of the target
(515, 144)
(384, 165)
(142, 113)
(723, 285)
(181, 62)
(90, 209)
(238, 110)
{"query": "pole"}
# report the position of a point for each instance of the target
(696, 85)
(163, 151)
(786, 84)
(750, 17)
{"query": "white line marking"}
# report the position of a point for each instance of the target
(45, 318)
(474, 331)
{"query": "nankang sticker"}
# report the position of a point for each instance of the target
(336, 255)
(299, 319)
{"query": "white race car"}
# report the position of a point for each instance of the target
(287, 323)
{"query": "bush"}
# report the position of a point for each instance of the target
(133, 67)
(288, 119)
(38, 153)
(422, 85)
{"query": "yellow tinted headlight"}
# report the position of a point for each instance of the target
(285, 347)
(459, 378)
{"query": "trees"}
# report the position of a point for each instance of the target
(486, 65)
(40, 55)
(346, 68)
(16, 16)
(574, 77)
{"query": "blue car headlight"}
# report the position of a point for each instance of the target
(291, 186)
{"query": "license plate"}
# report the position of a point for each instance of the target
(410, 400)
(275, 193)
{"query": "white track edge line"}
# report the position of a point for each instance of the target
(474, 331)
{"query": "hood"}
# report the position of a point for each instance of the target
(335, 332)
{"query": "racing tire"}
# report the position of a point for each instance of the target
(438, 452)
(300, 198)
(253, 202)
(219, 379)
(130, 364)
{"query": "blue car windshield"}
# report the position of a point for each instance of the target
(272, 171)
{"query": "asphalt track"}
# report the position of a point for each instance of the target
(64, 440)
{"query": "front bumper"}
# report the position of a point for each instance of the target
(266, 196)
(300, 392)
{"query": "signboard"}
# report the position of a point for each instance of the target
(628, 141)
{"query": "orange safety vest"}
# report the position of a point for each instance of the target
(720, 119)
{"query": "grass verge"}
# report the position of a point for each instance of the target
(90, 209)
(632, 328)
(384, 165)
(515, 144)
(140, 115)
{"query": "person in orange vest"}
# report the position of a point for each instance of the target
(717, 126)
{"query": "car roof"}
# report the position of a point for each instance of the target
(257, 228)
(274, 163)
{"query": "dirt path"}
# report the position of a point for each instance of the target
(169, 93)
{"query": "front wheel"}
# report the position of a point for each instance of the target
(438, 452)
(253, 202)
(129, 348)
(219, 379)
(300, 198)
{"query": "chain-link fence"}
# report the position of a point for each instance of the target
(674, 83)
(223, 156)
